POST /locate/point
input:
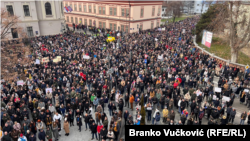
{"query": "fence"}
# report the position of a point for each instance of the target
(218, 59)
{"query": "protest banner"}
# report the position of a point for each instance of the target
(214, 97)
(55, 60)
(85, 57)
(45, 59)
(246, 90)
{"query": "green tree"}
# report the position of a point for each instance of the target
(205, 20)
(143, 112)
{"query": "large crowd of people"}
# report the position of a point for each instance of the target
(94, 75)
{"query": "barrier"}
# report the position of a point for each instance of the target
(218, 59)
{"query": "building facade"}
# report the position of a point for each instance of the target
(126, 16)
(200, 7)
(37, 17)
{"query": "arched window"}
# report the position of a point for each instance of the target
(48, 8)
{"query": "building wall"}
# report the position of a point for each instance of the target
(44, 25)
(132, 20)
(198, 7)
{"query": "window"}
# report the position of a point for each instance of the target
(152, 25)
(157, 24)
(122, 27)
(153, 12)
(122, 12)
(85, 22)
(90, 22)
(142, 10)
(127, 12)
(75, 8)
(80, 7)
(90, 8)
(114, 27)
(100, 10)
(162, 9)
(67, 18)
(76, 20)
(126, 28)
(103, 10)
(48, 8)
(141, 26)
(62, 8)
(84, 8)
(14, 32)
(104, 25)
(114, 11)
(10, 9)
(100, 24)
(80, 20)
(94, 22)
(26, 10)
(198, 5)
(158, 12)
(72, 20)
(30, 31)
(94, 9)
(110, 26)
(110, 11)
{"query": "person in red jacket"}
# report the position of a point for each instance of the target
(176, 84)
(99, 128)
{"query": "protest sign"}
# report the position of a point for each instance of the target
(163, 29)
(225, 99)
(45, 59)
(48, 90)
(217, 89)
(214, 97)
(246, 90)
(59, 58)
(37, 61)
(85, 57)
(20, 82)
(55, 60)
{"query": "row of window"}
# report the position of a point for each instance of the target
(112, 10)
(26, 9)
(15, 34)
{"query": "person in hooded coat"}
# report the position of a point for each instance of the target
(55, 130)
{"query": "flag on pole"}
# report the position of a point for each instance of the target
(66, 9)
(70, 9)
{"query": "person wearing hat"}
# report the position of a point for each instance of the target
(40, 125)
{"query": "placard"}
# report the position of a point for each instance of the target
(85, 57)
(198, 93)
(37, 61)
(55, 60)
(59, 58)
(246, 90)
(225, 99)
(217, 89)
(163, 29)
(20, 82)
(48, 90)
(214, 97)
(45, 59)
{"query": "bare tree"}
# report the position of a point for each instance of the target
(189, 5)
(174, 7)
(234, 16)
(13, 52)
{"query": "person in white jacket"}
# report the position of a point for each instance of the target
(156, 111)
(179, 106)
